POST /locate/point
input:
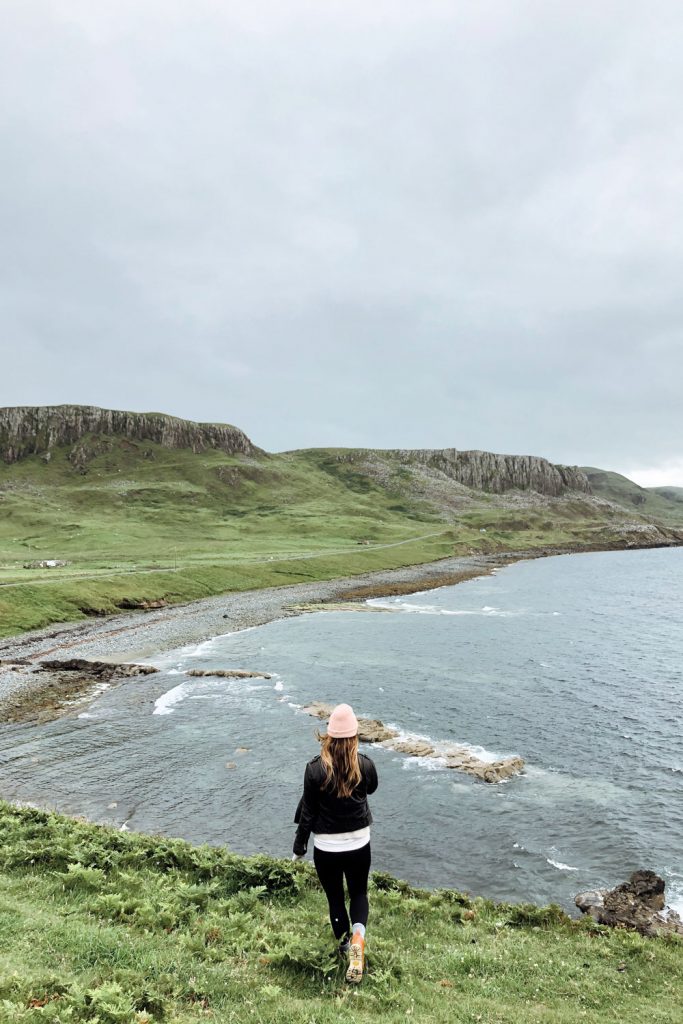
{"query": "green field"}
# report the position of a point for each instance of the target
(143, 522)
(106, 927)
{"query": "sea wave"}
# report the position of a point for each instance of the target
(559, 865)
(432, 609)
(167, 702)
(192, 689)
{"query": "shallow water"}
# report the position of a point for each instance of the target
(573, 662)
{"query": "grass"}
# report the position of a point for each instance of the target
(145, 522)
(113, 928)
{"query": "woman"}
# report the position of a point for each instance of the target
(335, 808)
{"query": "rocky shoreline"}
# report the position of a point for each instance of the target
(143, 634)
(132, 636)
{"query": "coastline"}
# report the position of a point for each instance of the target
(354, 589)
(132, 636)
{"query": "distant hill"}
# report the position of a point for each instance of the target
(670, 493)
(658, 502)
(149, 506)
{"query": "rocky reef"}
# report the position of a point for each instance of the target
(228, 673)
(459, 758)
(638, 904)
(36, 430)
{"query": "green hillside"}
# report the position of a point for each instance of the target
(104, 927)
(138, 520)
(656, 503)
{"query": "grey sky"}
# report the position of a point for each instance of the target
(391, 224)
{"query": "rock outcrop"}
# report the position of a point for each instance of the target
(97, 669)
(61, 685)
(371, 730)
(638, 904)
(228, 673)
(36, 430)
(488, 471)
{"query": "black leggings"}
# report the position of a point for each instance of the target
(332, 868)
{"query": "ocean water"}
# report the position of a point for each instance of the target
(573, 662)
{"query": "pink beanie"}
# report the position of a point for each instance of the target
(343, 723)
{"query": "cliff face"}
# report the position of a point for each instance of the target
(35, 430)
(486, 471)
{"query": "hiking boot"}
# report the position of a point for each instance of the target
(356, 959)
(344, 947)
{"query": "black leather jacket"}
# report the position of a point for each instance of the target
(321, 811)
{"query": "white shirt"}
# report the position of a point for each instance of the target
(339, 842)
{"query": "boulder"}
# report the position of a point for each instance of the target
(371, 730)
(638, 904)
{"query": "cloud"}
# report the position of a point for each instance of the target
(665, 474)
(395, 224)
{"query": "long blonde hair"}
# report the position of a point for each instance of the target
(340, 761)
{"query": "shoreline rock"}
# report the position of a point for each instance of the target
(228, 673)
(57, 685)
(638, 904)
(372, 730)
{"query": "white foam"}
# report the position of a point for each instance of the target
(430, 764)
(560, 866)
(165, 704)
(442, 748)
(676, 905)
(279, 685)
(432, 609)
(483, 754)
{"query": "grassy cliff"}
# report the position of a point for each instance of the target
(106, 927)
